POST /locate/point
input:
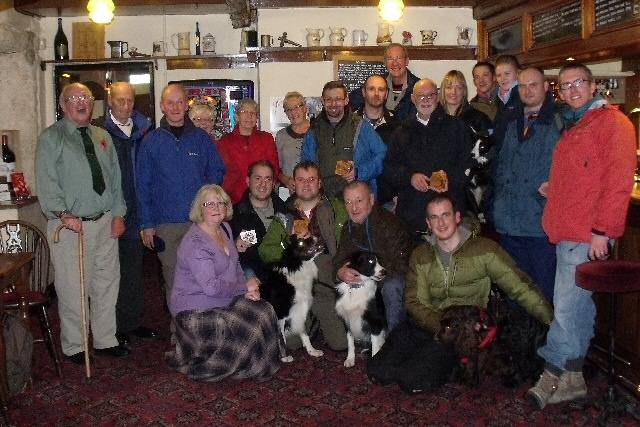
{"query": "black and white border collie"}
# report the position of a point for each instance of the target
(289, 290)
(361, 307)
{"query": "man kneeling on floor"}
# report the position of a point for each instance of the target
(410, 356)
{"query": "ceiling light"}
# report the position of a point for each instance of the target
(390, 10)
(101, 11)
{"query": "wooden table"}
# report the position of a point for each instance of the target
(11, 265)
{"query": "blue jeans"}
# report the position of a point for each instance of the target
(393, 297)
(574, 312)
(536, 257)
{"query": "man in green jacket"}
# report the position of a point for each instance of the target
(455, 267)
(325, 220)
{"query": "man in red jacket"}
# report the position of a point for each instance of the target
(243, 146)
(588, 195)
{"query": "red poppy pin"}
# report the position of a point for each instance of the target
(103, 144)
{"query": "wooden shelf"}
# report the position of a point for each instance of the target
(326, 53)
(199, 62)
(254, 56)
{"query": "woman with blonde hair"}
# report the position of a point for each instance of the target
(204, 117)
(222, 327)
(453, 97)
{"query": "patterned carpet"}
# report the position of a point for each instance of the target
(141, 390)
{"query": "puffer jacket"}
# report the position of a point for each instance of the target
(474, 265)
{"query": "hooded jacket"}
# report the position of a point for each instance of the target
(591, 177)
(474, 265)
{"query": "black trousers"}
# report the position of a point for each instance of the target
(130, 305)
(411, 358)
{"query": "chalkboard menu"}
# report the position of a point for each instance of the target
(507, 38)
(611, 12)
(557, 23)
(354, 72)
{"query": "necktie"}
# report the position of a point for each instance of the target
(96, 170)
(528, 120)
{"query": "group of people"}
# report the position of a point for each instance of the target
(366, 174)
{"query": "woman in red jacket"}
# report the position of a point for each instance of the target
(243, 146)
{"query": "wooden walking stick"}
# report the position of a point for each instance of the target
(85, 328)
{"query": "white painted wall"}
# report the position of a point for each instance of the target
(273, 79)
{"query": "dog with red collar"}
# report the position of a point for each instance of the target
(471, 331)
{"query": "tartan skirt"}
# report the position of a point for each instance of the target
(239, 341)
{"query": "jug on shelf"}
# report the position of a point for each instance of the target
(359, 37)
(385, 31)
(428, 36)
(209, 44)
(182, 42)
(336, 38)
(464, 36)
(118, 48)
(313, 36)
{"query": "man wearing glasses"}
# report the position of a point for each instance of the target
(309, 212)
(79, 186)
(400, 82)
(429, 141)
(587, 199)
(345, 146)
(127, 127)
(173, 162)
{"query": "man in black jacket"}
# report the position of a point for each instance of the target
(400, 83)
(127, 127)
(383, 120)
(252, 216)
(428, 142)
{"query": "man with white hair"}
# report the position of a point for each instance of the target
(78, 178)
(127, 127)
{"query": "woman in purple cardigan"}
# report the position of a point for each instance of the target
(222, 327)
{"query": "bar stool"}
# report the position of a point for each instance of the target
(610, 277)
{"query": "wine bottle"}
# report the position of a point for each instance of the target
(10, 161)
(7, 155)
(198, 52)
(60, 44)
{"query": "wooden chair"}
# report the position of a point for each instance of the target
(21, 236)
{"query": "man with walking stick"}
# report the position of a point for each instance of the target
(78, 186)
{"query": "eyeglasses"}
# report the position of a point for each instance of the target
(427, 97)
(219, 205)
(310, 180)
(395, 58)
(290, 109)
(74, 99)
(576, 83)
